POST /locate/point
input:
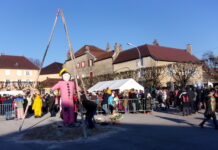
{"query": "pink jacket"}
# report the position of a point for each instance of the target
(67, 90)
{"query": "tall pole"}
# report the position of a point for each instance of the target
(140, 56)
(60, 12)
(72, 56)
(41, 64)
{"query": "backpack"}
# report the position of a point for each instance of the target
(185, 98)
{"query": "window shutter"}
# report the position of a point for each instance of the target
(90, 74)
(89, 63)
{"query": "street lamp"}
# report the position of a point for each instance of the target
(140, 58)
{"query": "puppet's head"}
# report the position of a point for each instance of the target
(66, 76)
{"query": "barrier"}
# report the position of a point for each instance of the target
(132, 106)
(7, 111)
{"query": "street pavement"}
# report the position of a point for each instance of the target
(156, 131)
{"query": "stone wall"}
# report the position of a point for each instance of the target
(103, 67)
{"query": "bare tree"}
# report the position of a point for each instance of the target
(35, 61)
(210, 65)
(152, 76)
(182, 72)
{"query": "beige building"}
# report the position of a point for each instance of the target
(16, 72)
(93, 61)
(156, 56)
(115, 61)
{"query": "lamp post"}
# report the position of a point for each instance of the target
(140, 58)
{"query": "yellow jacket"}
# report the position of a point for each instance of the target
(37, 105)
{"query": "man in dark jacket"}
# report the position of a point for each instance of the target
(90, 107)
(191, 96)
(210, 111)
(51, 105)
(105, 102)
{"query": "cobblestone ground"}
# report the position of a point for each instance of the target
(156, 131)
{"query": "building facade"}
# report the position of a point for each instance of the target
(16, 72)
(93, 61)
(116, 61)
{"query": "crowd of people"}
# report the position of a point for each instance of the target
(187, 100)
(33, 105)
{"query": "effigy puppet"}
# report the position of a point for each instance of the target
(66, 88)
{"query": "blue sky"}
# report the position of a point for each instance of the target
(26, 25)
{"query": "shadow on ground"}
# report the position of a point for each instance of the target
(128, 137)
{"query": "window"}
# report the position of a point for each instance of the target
(19, 73)
(27, 73)
(83, 64)
(77, 65)
(90, 63)
(7, 72)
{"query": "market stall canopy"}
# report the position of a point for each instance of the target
(14, 93)
(124, 84)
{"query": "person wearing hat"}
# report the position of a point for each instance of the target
(66, 88)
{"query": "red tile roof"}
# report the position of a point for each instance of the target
(105, 56)
(159, 53)
(53, 68)
(49, 82)
(16, 62)
(92, 49)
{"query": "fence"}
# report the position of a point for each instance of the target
(7, 111)
(131, 106)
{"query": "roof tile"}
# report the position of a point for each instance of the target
(156, 52)
(16, 62)
(53, 68)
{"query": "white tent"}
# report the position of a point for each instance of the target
(14, 93)
(121, 85)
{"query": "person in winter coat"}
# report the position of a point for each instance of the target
(105, 101)
(185, 101)
(76, 107)
(19, 104)
(37, 106)
(90, 107)
(210, 111)
(29, 103)
(111, 103)
(51, 105)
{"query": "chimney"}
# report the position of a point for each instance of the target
(117, 50)
(155, 42)
(116, 47)
(108, 49)
(120, 47)
(87, 48)
(189, 48)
